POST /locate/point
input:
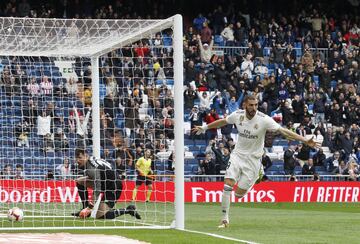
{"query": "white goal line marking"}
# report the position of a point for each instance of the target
(220, 236)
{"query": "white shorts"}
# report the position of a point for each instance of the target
(244, 169)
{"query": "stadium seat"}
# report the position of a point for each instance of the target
(316, 80)
(219, 40)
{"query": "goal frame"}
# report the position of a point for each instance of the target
(94, 54)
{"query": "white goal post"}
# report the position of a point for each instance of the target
(66, 39)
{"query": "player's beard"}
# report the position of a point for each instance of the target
(250, 113)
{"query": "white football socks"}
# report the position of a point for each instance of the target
(225, 203)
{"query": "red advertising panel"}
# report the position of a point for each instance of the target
(66, 191)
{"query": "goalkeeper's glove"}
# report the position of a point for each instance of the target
(85, 213)
(201, 129)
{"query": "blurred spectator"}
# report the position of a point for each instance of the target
(336, 117)
(131, 117)
(287, 113)
(319, 158)
(82, 125)
(346, 143)
(87, 97)
(205, 100)
(247, 66)
(111, 86)
(111, 104)
(124, 157)
(22, 131)
(228, 34)
(266, 161)
(7, 172)
(205, 50)
(277, 57)
(261, 68)
(308, 168)
(46, 86)
(48, 143)
(199, 22)
(316, 177)
(289, 160)
(233, 104)
(293, 178)
(24, 8)
(303, 154)
(353, 170)
(227, 130)
(60, 140)
(298, 107)
(71, 87)
(33, 87)
(222, 159)
(319, 108)
(49, 175)
(206, 34)
(190, 73)
(207, 166)
(209, 118)
(332, 162)
(341, 169)
(30, 112)
(196, 118)
(19, 172)
(43, 124)
(65, 169)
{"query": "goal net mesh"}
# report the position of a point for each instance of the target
(47, 112)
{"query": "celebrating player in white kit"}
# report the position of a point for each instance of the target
(245, 160)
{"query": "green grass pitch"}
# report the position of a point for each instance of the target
(261, 223)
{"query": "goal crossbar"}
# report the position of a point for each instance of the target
(72, 37)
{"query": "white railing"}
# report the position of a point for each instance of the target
(194, 178)
(211, 178)
(232, 50)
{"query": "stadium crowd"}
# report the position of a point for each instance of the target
(303, 68)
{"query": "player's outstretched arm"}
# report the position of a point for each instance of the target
(216, 124)
(290, 135)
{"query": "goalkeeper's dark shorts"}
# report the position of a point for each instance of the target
(112, 193)
(140, 179)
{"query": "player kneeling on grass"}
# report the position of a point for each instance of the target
(244, 167)
(106, 185)
(143, 168)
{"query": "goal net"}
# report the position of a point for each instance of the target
(108, 86)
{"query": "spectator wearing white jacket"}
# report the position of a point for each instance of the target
(205, 100)
(81, 123)
(71, 86)
(228, 34)
(43, 124)
(205, 50)
(247, 66)
(64, 170)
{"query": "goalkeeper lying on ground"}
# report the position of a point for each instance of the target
(105, 182)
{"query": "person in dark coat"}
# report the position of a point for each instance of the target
(289, 160)
(308, 168)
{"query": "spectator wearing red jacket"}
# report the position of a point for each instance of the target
(209, 118)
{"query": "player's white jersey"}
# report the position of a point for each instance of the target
(251, 133)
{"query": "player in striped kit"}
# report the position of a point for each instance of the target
(105, 182)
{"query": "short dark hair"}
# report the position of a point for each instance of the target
(79, 151)
(249, 97)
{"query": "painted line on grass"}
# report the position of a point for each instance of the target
(220, 236)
